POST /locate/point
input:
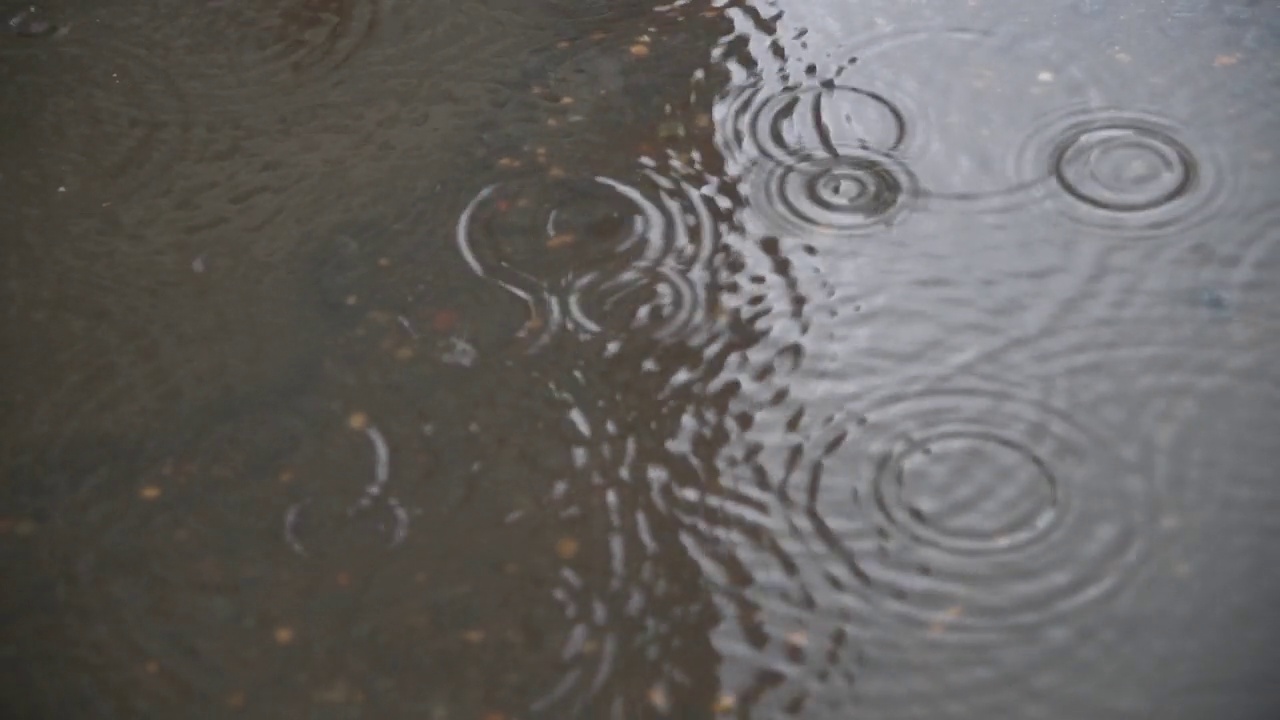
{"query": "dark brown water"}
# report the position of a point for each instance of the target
(556, 359)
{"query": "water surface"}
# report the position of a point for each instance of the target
(585, 359)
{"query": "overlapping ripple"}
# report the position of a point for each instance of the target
(757, 121)
(948, 520)
(594, 255)
(817, 159)
(964, 154)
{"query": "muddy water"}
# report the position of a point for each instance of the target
(586, 359)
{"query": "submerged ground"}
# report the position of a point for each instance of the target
(584, 359)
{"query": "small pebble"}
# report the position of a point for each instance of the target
(567, 548)
(560, 240)
(659, 700)
(283, 635)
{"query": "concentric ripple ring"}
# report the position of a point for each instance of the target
(1126, 171)
(988, 509)
(849, 193)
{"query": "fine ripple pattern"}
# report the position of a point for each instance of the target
(1126, 172)
(270, 47)
(593, 12)
(915, 531)
(1236, 278)
(976, 509)
(116, 123)
(593, 255)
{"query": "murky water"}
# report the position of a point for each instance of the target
(601, 359)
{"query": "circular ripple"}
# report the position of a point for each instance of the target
(579, 252)
(1011, 500)
(800, 121)
(104, 115)
(850, 193)
(661, 301)
(324, 523)
(1123, 168)
(995, 87)
(1126, 172)
(958, 537)
(976, 510)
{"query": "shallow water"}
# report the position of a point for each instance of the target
(585, 359)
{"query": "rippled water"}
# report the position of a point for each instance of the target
(608, 359)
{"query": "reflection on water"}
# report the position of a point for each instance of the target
(578, 359)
